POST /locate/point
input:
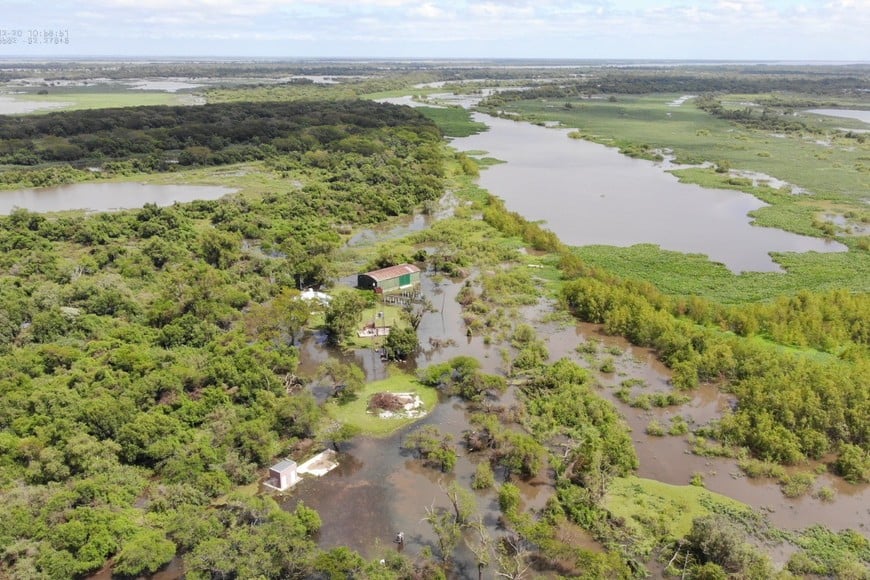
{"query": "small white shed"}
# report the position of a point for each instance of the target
(283, 475)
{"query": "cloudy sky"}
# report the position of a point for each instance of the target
(836, 30)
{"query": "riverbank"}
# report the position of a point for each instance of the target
(830, 175)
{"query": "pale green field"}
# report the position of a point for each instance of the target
(653, 510)
(105, 100)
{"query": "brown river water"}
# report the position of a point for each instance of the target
(591, 194)
(379, 489)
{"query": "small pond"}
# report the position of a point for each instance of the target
(860, 115)
(104, 196)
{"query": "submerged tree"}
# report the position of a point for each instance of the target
(401, 343)
(347, 379)
(413, 311)
(433, 446)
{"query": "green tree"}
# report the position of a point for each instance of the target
(347, 378)
(853, 463)
(339, 563)
(483, 478)
(413, 311)
(716, 539)
(433, 446)
(522, 454)
(343, 315)
(219, 248)
(281, 319)
(338, 433)
(447, 531)
(401, 343)
(463, 502)
(145, 552)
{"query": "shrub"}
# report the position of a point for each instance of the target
(655, 429)
(798, 484)
(853, 464)
(678, 426)
(483, 478)
(509, 499)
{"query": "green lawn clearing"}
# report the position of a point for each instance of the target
(657, 512)
(356, 412)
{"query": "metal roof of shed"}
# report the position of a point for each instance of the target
(282, 465)
(392, 272)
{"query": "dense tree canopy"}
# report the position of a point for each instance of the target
(147, 358)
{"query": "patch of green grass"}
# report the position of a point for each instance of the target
(355, 412)
(797, 484)
(693, 274)
(654, 511)
(843, 554)
(488, 161)
(453, 121)
(401, 92)
(392, 316)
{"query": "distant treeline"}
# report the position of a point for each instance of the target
(83, 70)
(209, 135)
(768, 118)
(643, 82)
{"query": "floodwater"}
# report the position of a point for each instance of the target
(860, 115)
(591, 194)
(669, 459)
(414, 223)
(679, 102)
(104, 196)
(758, 178)
(378, 489)
(408, 101)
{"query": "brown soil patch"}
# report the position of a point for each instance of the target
(387, 402)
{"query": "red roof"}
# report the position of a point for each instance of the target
(392, 272)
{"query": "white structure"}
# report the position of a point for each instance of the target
(283, 475)
(312, 295)
(320, 464)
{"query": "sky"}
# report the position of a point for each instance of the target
(791, 30)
